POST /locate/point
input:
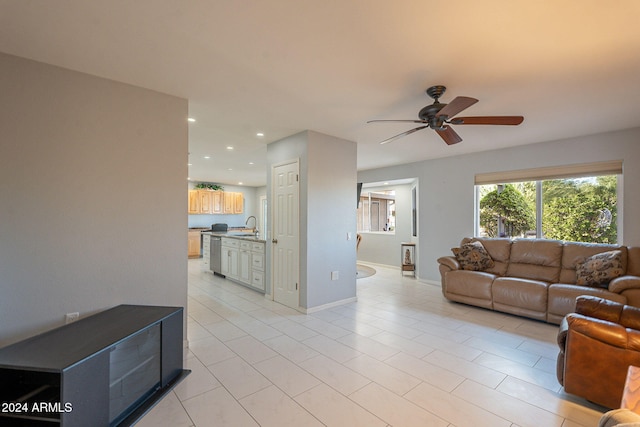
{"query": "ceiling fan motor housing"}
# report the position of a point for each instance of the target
(428, 114)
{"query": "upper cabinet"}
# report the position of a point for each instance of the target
(194, 202)
(229, 202)
(215, 202)
(238, 205)
(233, 203)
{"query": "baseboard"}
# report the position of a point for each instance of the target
(325, 306)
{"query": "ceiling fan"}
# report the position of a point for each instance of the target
(439, 117)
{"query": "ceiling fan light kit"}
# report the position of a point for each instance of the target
(439, 116)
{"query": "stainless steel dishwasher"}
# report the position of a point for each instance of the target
(216, 253)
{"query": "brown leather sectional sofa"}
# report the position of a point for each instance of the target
(536, 278)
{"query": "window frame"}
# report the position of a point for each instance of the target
(538, 175)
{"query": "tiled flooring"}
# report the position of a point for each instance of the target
(401, 356)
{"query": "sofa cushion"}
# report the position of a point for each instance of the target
(523, 293)
(473, 256)
(574, 253)
(535, 259)
(475, 284)
(562, 299)
(499, 250)
(598, 270)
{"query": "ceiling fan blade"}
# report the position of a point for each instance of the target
(409, 132)
(399, 121)
(454, 107)
(487, 120)
(449, 135)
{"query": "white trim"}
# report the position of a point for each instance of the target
(610, 167)
(325, 306)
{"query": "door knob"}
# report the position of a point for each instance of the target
(274, 240)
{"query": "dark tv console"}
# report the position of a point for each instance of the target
(108, 369)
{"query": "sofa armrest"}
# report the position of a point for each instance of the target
(450, 262)
(599, 308)
(601, 330)
(606, 332)
(622, 283)
(563, 329)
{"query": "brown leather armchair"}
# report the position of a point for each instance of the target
(598, 342)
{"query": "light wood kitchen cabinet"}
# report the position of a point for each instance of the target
(194, 202)
(217, 204)
(193, 247)
(238, 204)
(233, 202)
(229, 202)
(205, 202)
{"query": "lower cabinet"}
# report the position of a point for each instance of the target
(194, 243)
(229, 258)
(257, 265)
(243, 262)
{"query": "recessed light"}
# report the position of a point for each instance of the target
(229, 147)
(251, 163)
(259, 134)
(230, 169)
(240, 183)
(189, 164)
(207, 157)
(191, 119)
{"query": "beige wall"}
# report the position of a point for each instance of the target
(92, 196)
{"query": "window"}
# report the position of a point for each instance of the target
(582, 209)
(377, 211)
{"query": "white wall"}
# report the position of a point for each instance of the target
(331, 216)
(446, 186)
(327, 213)
(75, 235)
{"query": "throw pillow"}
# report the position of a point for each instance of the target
(473, 256)
(599, 269)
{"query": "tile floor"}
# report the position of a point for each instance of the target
(400, 356)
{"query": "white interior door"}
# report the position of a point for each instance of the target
(285, 234)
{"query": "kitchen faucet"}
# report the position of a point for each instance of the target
(255, 223)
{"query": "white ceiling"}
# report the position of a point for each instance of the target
(570, 67)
